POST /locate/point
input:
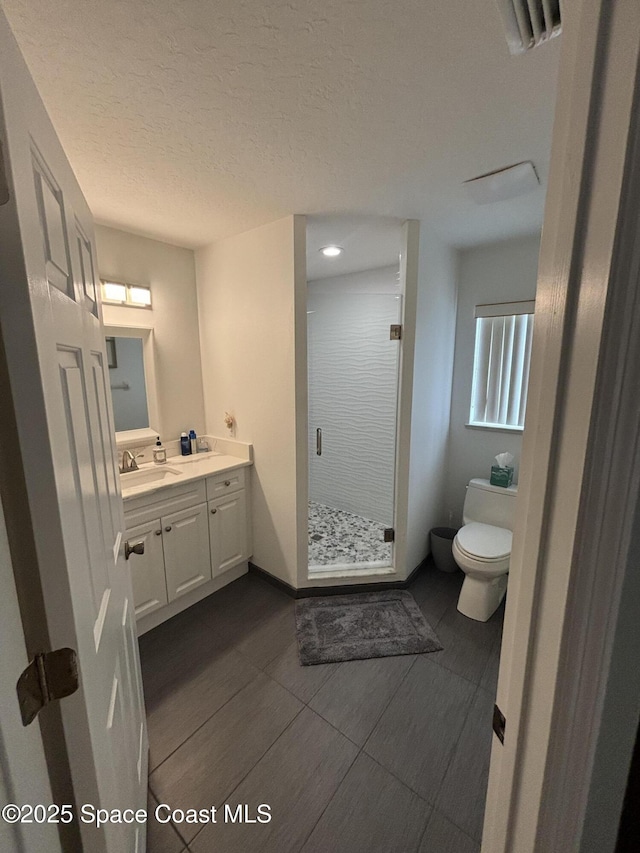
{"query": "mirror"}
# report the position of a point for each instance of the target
(128, 387)
(131, 364)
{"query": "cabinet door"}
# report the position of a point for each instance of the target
(185, 536)
(147, 570)
(228, 534)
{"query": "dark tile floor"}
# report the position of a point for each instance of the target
(388, 755)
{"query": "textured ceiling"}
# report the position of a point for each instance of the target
(368, 242)
(189, 120)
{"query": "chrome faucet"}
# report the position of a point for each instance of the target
(129, 461)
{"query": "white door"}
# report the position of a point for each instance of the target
(54, 345)
(579, 477)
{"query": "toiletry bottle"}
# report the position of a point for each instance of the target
(185, 444)
(159, 452)
(192, 441)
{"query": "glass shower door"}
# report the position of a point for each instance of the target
(353, 399)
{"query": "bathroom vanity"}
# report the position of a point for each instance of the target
(193, 517)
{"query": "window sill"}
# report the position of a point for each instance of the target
(496, 428)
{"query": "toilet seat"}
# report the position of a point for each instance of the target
(484, 543)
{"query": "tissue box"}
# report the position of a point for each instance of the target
(501, 476)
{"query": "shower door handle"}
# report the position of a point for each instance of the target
(319, 442)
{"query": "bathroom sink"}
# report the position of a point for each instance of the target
(150, 475)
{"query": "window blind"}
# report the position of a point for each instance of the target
(501, 365)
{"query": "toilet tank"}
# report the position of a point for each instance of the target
(489, 504)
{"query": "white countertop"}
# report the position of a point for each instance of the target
(178, 470)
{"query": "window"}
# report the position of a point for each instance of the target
(134, 295)
(501, 365)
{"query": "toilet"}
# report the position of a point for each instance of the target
(482, 547)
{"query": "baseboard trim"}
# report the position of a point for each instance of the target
(311, 591)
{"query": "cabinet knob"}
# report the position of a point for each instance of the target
(159, 532)
(168, 528)
(214, 511)
(227, 482)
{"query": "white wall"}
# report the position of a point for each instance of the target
(431, 396)
(499, 272)
(170, 272)
(353, 391)
(250, 294)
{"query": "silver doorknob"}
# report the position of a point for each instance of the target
(138, 548)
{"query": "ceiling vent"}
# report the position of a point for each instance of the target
(530, 23)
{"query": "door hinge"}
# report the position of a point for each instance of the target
(389, 534)
(499, 723)
(4, 183)
(395, 332)
(49, 676)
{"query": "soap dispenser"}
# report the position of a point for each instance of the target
(159, 452)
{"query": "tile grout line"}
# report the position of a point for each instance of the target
(253, 767)
(391, 698)
(392, 773)
(210, 718)
(333, 796)
(409, 788)
(224, 704)
(436, 810)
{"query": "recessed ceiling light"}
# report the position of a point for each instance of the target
(331, 251)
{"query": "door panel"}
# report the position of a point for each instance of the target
(80, 470)
(53, 227)
(87, 271)
(228, 531)
(147, 570)
(187, 560)
(105, 464)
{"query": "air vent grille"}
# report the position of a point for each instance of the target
(530, 23)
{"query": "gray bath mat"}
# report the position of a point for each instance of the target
(363, 625)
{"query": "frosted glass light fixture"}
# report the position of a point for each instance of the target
(128, 295)
(112, 292)
(331, 251)
(139, 295)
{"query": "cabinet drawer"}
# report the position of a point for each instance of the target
(156, 504)
(226, 482)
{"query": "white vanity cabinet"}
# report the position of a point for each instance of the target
(147, 570)
(229, 522)
(185, 537)
(197, 538)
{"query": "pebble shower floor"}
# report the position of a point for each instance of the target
(337, 537)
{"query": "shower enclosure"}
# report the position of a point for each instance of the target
(353, 359)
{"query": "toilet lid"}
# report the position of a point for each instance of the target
(485, 541)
